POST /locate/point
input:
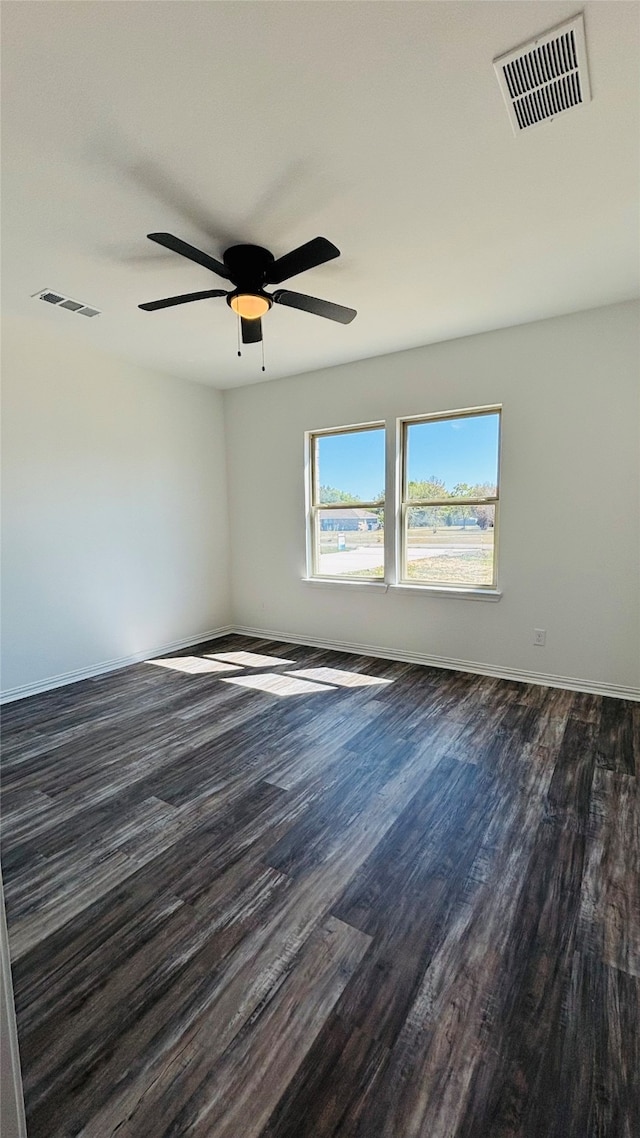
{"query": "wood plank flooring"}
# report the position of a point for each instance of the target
(259, 890)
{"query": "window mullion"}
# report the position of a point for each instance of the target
(348, 505)
(424, 503)
(391, 547)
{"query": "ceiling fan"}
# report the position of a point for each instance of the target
(249, 268)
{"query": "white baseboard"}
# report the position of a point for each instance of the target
(21, 692)
(570, 682)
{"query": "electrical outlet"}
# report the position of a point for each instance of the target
(540, 637)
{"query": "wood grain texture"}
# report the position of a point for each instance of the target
(382, 901)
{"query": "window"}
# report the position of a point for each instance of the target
(441, 502)
(449, 509)
(346, 500)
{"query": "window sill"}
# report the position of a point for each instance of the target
(445, 591)
(331, 582)
(408, 590)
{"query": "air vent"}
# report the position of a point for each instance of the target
(62, 301)
(546, 77)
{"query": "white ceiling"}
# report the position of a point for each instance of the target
(378, 125)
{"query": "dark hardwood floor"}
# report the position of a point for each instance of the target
(396, 902)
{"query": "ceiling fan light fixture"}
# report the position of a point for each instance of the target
(250, 268)
(249, 305)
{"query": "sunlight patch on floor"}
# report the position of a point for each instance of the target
(248, 659)
(278, 685)
(193, 665)
(337, 676)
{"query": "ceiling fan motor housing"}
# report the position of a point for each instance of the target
(247, 266)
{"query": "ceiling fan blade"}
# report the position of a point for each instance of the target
(317, 307)
(185, 250)
(251, 331)
(307, 256)
(186, 298)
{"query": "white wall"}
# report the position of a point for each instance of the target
(115, 520)
(570, 512)
(114, 508)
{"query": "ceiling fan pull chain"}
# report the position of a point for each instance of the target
(262, 343)
(238, 327)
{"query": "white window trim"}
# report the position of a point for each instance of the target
(491, 590)
(310, 474)
(393, 514)
(460, 593)
(457, 592)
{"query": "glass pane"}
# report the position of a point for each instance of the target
(453, 457)
(350, 543)
(351, 467)
(450, 545)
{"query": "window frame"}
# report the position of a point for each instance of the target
(405, 503)
(395, 503)
(314, 505)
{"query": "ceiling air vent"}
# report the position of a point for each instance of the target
(545, 77)
(61, 301)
